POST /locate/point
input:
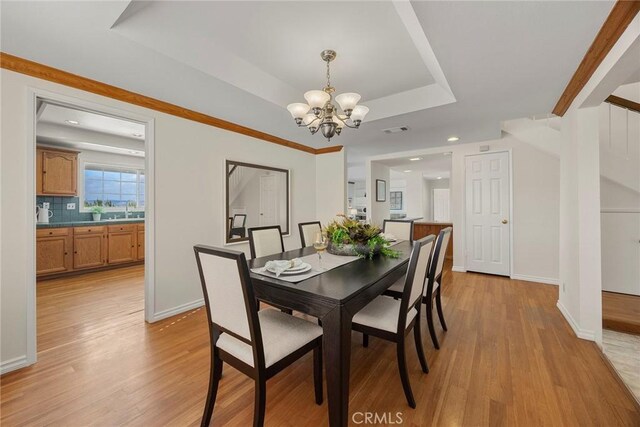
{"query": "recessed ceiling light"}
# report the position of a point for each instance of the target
(415, 159)
(407, 171)
(439, 177)
(453, 139)
(72, 122)
(137, 135)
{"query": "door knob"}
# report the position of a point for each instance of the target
(504, 221)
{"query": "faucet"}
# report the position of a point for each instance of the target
(126, 211)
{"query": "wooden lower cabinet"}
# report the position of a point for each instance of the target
(140, 239)
(89, 247)
(423, 229)
(63, 250)
(54, 250)
(122, 243)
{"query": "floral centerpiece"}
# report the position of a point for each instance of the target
(350, 237)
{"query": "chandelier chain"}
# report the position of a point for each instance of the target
(328, 75)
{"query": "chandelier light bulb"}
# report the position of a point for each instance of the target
(298, 110)
(358, 113)
(347, 102)
(317, 98)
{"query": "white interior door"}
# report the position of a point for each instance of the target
(441, 211)
(621, 252)
(487, 213)
(268, 200)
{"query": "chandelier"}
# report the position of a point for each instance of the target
(319, 113)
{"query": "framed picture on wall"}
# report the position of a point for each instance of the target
(381, 190)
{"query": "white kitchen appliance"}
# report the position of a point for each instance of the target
(43, 214)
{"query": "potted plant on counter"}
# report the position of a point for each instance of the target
(350, 237)
(97, 212)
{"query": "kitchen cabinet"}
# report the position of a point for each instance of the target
(140, 241)
(422, 229)
(54, 250)
(122, 243)
(89, 247)
(56, 172)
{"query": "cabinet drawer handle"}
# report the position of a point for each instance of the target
(51, 232)
(66, 253)
(75, 252)
(89, 230)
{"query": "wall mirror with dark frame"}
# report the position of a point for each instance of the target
(256, 196)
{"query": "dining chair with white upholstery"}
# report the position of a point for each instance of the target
(308, 232)
(265, 241)
(392, 319)
(433, 287)
(259, 344)
(401, 229)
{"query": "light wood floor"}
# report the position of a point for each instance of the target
(509, 359)
(621, 312)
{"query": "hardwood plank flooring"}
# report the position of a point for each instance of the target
(621, 312)
(509, 359)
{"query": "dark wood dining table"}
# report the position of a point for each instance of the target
(334, 297)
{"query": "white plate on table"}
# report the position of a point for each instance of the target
(302, 268)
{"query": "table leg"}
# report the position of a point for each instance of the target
(336, 340)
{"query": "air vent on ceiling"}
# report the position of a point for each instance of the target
(396, 130)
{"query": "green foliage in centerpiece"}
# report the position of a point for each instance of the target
(350, 237)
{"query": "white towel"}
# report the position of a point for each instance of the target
(278, 267)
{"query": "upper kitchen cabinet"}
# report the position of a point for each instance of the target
(56, 172)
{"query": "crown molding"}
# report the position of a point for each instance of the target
(616, 23)
(45, 72)
(624, 103)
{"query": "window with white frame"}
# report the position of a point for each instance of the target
(395, 197)
(113, 187)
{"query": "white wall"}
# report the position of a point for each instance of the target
(535, 198)
(377, 212)
(189, 208)
(330, 188)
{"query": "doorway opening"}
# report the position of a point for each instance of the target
(92, 231)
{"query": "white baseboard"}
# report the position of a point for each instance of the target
(545, 280)
(13, 364)
(458, 269)
(177, 310)
(580, 333)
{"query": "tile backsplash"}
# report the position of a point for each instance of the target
(58, 206)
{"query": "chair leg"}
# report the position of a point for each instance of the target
(317, 373)
(404, 375)
(417, 335)
(260, 403)
(432, 330)
(439, 307)
(214, 380)
(365, 340)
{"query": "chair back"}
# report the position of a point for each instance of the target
(308, 231)
(400, 228)
(239, 220)
(415, 277)
(265, 241)
(441, 252)
(227, 290)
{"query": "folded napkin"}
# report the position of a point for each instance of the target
(282, 265)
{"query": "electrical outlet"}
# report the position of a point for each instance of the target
(45, 205)
(71, 206)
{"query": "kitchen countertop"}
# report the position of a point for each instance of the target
(84, 223)
(432, 223)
